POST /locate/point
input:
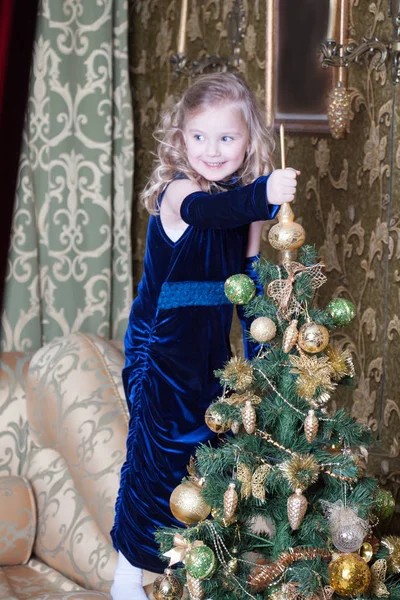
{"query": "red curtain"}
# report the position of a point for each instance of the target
(6, 12)
(17, 33)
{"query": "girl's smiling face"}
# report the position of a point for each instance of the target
(216, 140)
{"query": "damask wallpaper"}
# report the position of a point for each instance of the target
(348, 197)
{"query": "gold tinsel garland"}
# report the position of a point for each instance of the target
(239, 399)
(290, 591)
(324, 468)
(264, 575)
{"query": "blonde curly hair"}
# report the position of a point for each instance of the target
(207, 90)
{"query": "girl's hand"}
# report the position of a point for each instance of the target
(281, 186)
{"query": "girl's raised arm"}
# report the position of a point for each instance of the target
(224, 210)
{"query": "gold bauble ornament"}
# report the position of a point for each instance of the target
(231, 566)
(333, 448)
(296, 508)
(290, 336)
(167, 586)
(187, 504)
(392, 543)
(230, 501)
(311, 426)
(339, 101)
(215, 421)
(286, 234)
(313, 337)
(349, 575)
(249, 417)
(263, 329)
(366, 551)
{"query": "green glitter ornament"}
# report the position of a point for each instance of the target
(239, 289)
(384, 503)
(200, 562)
(341, 310)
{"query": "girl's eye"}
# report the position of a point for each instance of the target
(199, 137)
(227, 138)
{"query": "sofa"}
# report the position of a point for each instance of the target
(64, 423)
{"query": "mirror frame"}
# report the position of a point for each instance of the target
(306, 123)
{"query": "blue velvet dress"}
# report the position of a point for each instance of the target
(178, 334)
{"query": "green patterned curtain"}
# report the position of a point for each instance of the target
(69, 264)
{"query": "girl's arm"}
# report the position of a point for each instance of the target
(224, 210)
(185, 204)
(229, 209)
(254, 239)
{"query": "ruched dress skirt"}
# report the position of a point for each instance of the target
(178, 335)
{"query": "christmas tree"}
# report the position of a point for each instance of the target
(282, 508)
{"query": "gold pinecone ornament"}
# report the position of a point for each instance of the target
(338, 110)
(249, 417)
(311, 426)
(296, 508)
(290, 336)
(194, 587)
(230, 501)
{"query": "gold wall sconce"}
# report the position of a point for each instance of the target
(236, 26)
(342, 55)
(339, 53)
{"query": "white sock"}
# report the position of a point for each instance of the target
(128, 581)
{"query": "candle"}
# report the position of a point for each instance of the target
(333, 19)
(182, 27)
(343, 34)
(283, 161)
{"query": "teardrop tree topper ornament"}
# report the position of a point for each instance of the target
(286, 235)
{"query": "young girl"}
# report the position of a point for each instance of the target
(208, 197)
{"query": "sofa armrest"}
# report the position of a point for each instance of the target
(17, 520)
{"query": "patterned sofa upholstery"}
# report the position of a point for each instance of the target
(63, 425)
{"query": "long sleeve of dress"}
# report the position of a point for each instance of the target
(233, 208)
(250, 348)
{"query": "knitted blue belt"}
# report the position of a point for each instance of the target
(175, 294)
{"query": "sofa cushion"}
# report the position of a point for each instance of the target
(17, 520)
(14, 426)
(68, 537)
(76, 406)
(37, 581)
